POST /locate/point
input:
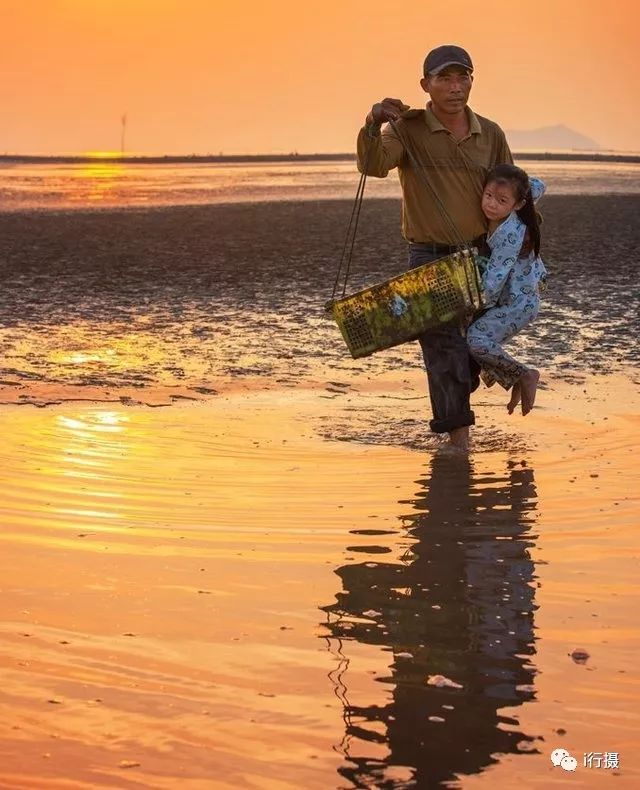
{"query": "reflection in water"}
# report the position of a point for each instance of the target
(459, 605)
(97, 182)
(91, 451)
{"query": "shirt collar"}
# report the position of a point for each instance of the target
(434, 124)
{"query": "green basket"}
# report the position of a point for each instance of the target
(409, 304)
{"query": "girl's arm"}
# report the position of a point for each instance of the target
(505, 244)
(537, 187)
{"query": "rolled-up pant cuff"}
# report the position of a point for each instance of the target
(451, 423)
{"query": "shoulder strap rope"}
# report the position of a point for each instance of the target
(352, 228)
(460, 241)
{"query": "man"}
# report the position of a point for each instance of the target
(456, 148)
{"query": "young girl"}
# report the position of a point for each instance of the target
(510, 281)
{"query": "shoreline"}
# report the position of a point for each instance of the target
(389, 410)
(549, 156)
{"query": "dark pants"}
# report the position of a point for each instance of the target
(451, 372)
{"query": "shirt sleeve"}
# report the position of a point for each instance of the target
(380, 152)
(537, 187)
(505, 248)
(503, 152)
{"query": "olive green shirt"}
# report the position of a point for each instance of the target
(455, 168)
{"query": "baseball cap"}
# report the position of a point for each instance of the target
(447, 55)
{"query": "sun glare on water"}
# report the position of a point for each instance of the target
(102, 154)
(97, 180)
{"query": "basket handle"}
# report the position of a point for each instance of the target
(350, 236)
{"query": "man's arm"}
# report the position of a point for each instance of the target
(380, 152)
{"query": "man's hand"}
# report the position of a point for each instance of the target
(386, 110)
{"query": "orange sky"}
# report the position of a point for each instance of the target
(199, 76)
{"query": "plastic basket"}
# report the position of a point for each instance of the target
(409, 304)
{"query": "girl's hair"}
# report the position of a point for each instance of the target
(519, 182)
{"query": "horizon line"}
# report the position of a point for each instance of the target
(117, 157)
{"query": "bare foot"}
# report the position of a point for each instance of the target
(459, 438)
(529, 385)
(516, 395)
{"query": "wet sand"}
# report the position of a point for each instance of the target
(225, 598)
(252, 588)
(145, 304)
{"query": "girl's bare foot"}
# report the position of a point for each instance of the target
(516, 395)
(528, 386)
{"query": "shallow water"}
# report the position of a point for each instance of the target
(219, 597)
(106, 184)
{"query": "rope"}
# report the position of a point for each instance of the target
(353, 238)
(460, 240)
(352, 229)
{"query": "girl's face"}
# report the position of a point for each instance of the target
(499, 200)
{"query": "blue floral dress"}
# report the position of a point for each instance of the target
(511, 286)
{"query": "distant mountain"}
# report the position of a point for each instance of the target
(550, 138)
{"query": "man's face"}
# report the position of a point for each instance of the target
(449, 89)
